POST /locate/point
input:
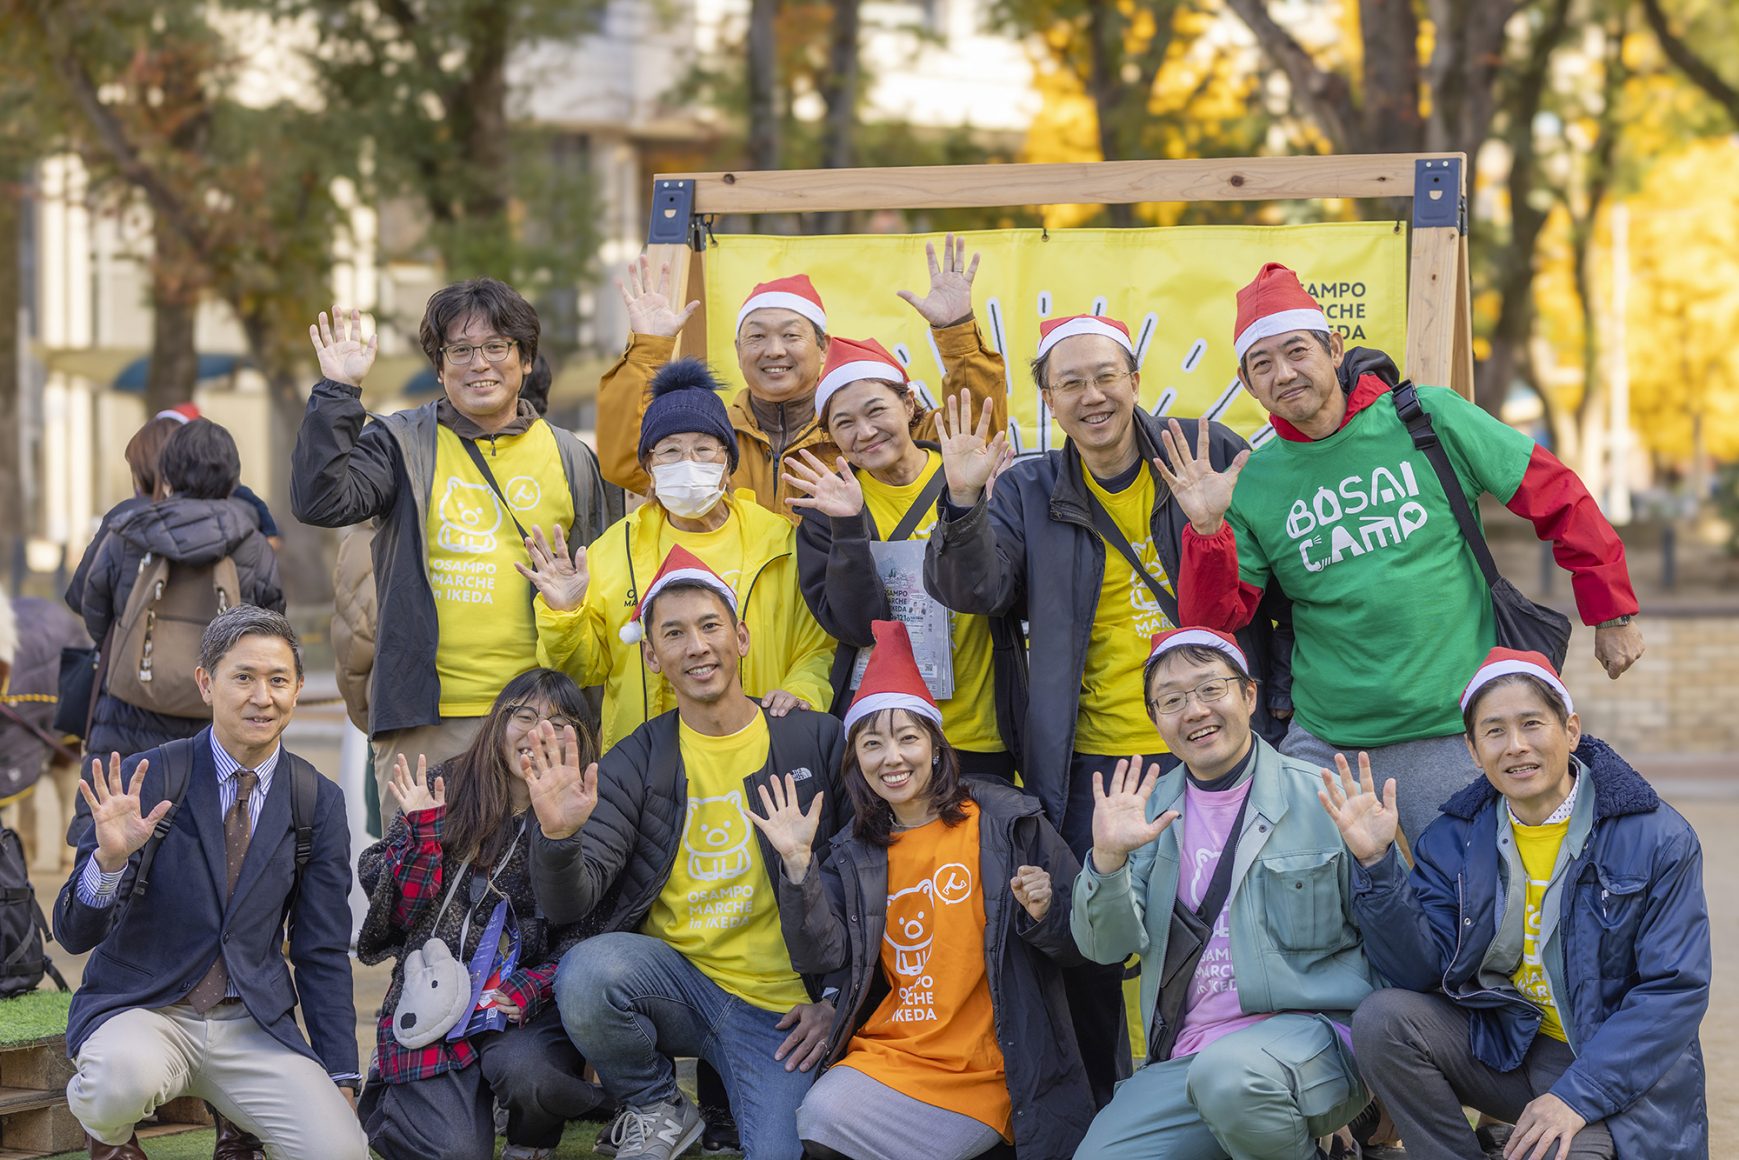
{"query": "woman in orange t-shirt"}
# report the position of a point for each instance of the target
(948, 902)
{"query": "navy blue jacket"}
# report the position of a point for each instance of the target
(152, 953)
(1635, 936)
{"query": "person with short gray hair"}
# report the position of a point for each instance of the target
(186, 991)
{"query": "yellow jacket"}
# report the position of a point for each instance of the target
(624, 392)
(787, 649)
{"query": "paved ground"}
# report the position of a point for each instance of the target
(1704, 789)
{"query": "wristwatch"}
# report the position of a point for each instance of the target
(1615, 622)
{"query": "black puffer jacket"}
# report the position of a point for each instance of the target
(183, 531)
(1032, 552)
(835, 918)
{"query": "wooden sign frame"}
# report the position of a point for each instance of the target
(1439, 317)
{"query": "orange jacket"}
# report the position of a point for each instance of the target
(624, 392)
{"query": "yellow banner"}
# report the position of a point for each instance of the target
(1174, 287)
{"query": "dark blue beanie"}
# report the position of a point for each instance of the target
(685, 399)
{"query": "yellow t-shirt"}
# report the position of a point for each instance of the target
(1538, 846)
(482, 606)
(1112, 718)
(969, 716)
(717, 907)
(934, 1036)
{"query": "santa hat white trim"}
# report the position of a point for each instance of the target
(1491, 672)
(848, 373)
(1205, 639)
(634, 631)
(1085, 325)
(1280, 323)
(782, 300)
(876, 702)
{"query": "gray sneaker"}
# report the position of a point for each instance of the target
(659, 1132)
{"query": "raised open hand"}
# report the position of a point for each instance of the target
(344, 356)
(970, 454)
(559, 578)
(649, 305)
(1366, 822)
(1032, 889)
(1120, 822)
(950, 298)
(834, 493)
(1203, 493)
(414, 793)
(790, 830)
(120, 829)
(563, 795)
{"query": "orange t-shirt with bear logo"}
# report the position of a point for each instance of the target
(934, 1037)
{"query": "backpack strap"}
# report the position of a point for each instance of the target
(177, 772)
(304, 798)
(1425, 438)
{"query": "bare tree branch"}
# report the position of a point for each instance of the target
(1321, 94)
(1697, 70)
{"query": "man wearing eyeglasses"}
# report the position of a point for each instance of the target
(1222, 876)
(1081, 543)
(455, 485)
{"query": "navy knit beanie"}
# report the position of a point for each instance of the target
(685, 399)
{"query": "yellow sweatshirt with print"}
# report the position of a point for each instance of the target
(787, 649)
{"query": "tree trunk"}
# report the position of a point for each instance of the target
(305, 559)
(1390, 105)
(763, 78)
(15, 458)
(840, 92)
(174, 307)
(1106, 30)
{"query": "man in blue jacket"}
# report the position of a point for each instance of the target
(1550, 949)
(187, 991)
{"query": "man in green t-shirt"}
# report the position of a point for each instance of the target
(1344, 515)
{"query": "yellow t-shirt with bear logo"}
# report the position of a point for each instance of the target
(717, 908)
(482, 605)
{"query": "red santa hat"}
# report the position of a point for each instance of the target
(849, 361)
(1502, 662)
(1055, 330)
(891, 680)
(794, 293)
(1176, 638)
(181, 413)
(681, 564)
(1273, 303)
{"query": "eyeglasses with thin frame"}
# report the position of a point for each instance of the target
(700, 453)
(1207, 693)
(495, 350)
(527, 717)
(1103, 381)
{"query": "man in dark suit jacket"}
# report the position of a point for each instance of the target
(187, 991)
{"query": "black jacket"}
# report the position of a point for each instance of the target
(835, 919)
(182, 531)
(342, 473)
(1032, 553)
(837, 574)
(610, 872)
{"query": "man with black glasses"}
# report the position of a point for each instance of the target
(456, 485)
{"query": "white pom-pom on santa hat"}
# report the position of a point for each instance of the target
(681, 564)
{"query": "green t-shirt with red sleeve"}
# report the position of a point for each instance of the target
(1390, 612)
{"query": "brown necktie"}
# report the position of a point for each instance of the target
(236, 832)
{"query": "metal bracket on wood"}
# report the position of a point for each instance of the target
(669, 222)
(1437, 198)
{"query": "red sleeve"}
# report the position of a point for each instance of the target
(1209, 592)
(414, 861)
(1557, 503)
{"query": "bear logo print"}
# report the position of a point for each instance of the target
(910, 928)
(470, 515)
(716, 837)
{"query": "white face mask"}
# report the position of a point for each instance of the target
(687, 488)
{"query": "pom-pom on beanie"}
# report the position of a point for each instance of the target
(685, 399)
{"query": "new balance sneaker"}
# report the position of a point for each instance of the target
(608, 1142)
(662, 1131)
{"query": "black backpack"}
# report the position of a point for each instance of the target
(22, 927)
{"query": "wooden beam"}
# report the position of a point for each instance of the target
(1432, 281)
(1090, 183)
(1461, 372)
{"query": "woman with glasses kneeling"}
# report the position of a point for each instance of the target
(586, 604)
(952, 1033)
(468, 1020)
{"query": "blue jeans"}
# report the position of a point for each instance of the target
(630, 1002)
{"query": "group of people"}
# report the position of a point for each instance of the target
(859, 760)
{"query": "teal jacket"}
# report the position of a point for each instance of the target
(1294, 944)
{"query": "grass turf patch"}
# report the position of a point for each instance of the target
(33, 1017)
